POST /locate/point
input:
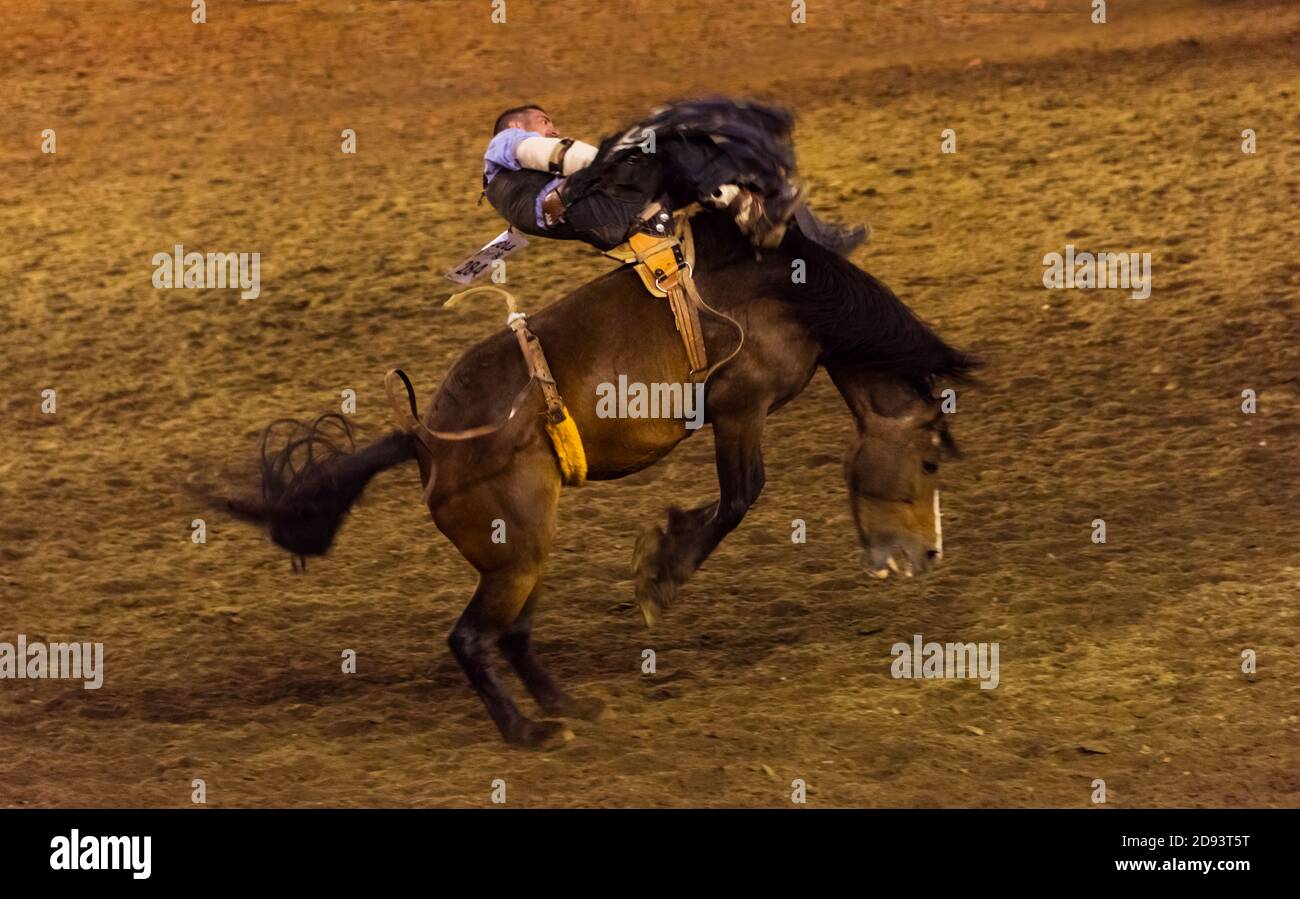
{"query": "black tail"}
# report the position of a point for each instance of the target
(312, 480)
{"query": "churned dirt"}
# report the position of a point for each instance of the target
(1120, 661)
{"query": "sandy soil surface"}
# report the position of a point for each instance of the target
(1119, 661)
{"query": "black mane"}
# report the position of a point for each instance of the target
(856, 318)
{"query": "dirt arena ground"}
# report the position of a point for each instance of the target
(1119, 661)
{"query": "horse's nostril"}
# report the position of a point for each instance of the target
(933, 554)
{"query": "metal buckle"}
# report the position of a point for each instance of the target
(690, 272)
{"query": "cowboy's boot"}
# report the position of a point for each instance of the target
(841, 239)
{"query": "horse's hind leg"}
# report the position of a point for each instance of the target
(474, 635)
(503, 525)
(517, 646)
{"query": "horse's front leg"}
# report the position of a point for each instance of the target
(666, 558)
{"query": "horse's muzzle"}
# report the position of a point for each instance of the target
(898, 554)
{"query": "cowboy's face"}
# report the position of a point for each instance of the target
(536, 120)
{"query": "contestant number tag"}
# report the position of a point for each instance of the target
(476, 266)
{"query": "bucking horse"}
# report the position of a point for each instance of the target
(487, 451)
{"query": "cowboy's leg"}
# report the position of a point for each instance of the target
(601, 219)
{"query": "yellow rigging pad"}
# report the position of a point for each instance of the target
(659, 256)
(665, 263)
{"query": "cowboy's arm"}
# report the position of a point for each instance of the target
(561, 156)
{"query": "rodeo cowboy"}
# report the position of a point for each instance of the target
(721, 153)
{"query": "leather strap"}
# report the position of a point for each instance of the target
(555, 165)
(684, 299)
(664, 257)
(538, 369)
(552, 208)
(664, 263)
(408, 420)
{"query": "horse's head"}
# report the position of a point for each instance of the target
(892, 469)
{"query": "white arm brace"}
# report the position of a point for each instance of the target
(535, 153)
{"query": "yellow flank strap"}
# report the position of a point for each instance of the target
(568, 449)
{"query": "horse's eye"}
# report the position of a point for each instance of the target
(930, 467)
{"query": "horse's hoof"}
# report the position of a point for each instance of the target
(654, 598)
(647, 552)
(543, 735)
(649, 611)
(646, 563)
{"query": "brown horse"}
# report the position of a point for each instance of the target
(495, 496)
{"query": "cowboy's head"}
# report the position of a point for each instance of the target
(529, 118)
